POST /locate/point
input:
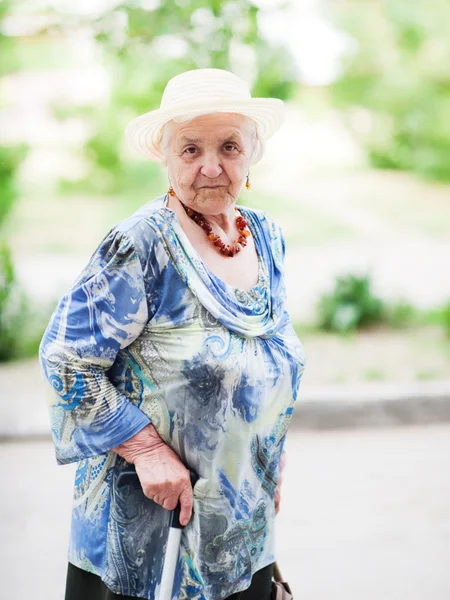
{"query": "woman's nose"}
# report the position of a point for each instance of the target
(211, 166)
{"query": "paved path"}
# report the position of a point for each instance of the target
(365, 515)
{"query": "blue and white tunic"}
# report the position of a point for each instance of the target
(147, 334)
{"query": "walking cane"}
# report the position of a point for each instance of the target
(129, 477)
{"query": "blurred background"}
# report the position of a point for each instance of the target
(359, 180)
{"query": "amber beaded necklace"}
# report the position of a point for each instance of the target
(224, 249)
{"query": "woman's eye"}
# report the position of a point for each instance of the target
(190, 150)
(230, 147)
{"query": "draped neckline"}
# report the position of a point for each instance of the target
(250, 313)
(211, 273)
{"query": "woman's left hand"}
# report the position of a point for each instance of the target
(280, 480)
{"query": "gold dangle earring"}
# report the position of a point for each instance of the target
(247, 183)
(171, 191)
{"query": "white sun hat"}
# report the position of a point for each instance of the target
(199, 92)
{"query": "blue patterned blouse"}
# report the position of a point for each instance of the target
(148, 334)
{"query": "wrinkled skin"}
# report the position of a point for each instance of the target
(208, 159)
(164, 478)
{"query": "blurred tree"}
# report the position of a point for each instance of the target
(10, 159)
(145, 43)
(13, 304)
(398, 70)
(10, 156)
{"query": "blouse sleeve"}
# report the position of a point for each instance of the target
(104, 311)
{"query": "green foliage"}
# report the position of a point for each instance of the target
(21, 326)
(441, 317)
(426, 375)
(373, 375)
(401, 314)
(350, 305)
(6, 277)
(398, 71)
(8, 56)
(10, 159)
(7, 325)
(15, 337)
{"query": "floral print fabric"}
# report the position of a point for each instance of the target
(147, 333)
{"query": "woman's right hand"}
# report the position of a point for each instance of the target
(164, 478)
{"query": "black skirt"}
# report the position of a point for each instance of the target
(82, 585)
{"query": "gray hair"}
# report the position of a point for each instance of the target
(166, 132)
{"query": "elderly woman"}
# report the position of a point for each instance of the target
(173, 351)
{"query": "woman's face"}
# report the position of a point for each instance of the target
(208, 159)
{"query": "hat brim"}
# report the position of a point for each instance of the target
(144, 132)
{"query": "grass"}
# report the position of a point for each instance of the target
(426, 375)
(416, 353)
(373, 374)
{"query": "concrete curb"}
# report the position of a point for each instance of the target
(372, 405)
(23, 404)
